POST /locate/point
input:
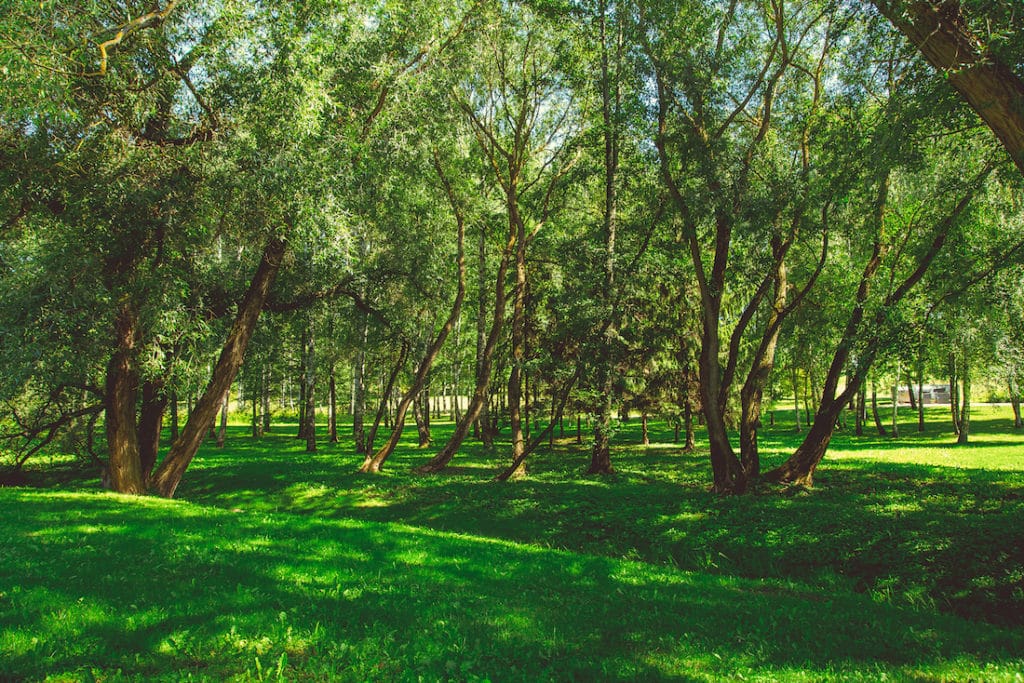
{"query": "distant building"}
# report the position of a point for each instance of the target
(930, 393)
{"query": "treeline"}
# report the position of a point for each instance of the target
(682, 208)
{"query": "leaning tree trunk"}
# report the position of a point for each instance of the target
(801, 465)
(386, 391)
(984, 79)
(874, 410)
(124, 467)
(434, 349)
(168, 475)
(481, 394)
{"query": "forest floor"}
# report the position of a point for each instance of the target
(904, 562)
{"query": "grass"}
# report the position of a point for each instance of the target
(906, 562)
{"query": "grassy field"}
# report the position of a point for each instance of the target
(905, 562)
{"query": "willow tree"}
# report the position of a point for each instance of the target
(737, 101)
(523, 117)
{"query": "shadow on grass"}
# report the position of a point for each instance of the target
(95, 583)
(927, 536)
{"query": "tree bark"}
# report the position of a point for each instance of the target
(896, 406)
(332, 408)
(434, 349)
(965, 407)
(359, 389)
(308, 430)
(222, 431)
(385, 401)
(986, 82)
(124, 467)
(481, 394)
(151, 417)
(168, 475)
(303, 385)
(1015, 396)
(874, 410)
(861, 410)
(920, 389)
(257, 425)
(265, 397)
(954, 393)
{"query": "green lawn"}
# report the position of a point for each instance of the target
(905, 561)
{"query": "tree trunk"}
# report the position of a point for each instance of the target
(482, 425)
(257, 425)
(309, 389)
(986, 82)
(691, 438)
(965, 408)
(332, 408)
(800, 467)
(910, 393)
(920, 390)
(388, 387)
(265, 396)
(874, 410)
(151, 417)
(515, 378)
(124, 467)
(645, 437)
(796, 399)
(421, 413)
(303, 385)
(222, 431)
(168, 475)
(896, 406)
(600, 457)
(954, 393)
(1015, 392)
(434, 349)
(359, 389)
(481, 394)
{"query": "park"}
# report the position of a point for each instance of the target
(512, 340)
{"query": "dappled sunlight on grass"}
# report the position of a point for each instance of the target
(379, 601)
(282, 564)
